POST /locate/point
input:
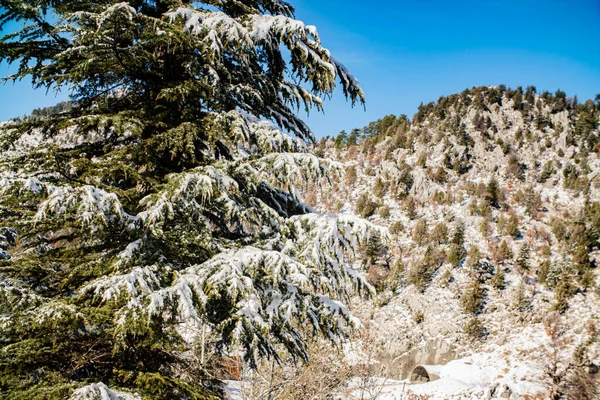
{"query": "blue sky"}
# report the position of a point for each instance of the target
(405, 52)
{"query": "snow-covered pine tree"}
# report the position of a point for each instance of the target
(162, 203)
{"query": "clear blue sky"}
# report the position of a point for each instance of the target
(405, 52)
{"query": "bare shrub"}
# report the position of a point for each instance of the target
(575, 378)
(291, 380)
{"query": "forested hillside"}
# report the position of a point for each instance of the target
(491, 199)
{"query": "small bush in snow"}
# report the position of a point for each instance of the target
(474, 328)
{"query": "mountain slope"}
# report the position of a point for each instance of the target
(491, 201)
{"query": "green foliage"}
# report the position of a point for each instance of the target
(374, 247)
(559, 229)
(473, 207)
(385, 126)
(557, 272)
(492, 190)
(514, 168)
(545, 250)
(353, 137)
(588, 279)
(440, 175)
(484, 227)
(396, 228)
(562, 294)
(523, 257)
(341, 140)
(388, 125)
(422, 112)
(473, 257)
(405, 182)
(544, 271)
(587, 123)
(529, 95)
(504, 252)
(474, 328)
(581, 262)
(473, 298)
(365, 207)
(519, 197)
(168, 207)
(509, 225)
(498, 280)
(479, 123)
(455, 254)
(518, 99)
(351, 175)
(46, 112)
(521, 301)
(446, 278)
(533, 202)
(421, 272)
(380, 188)
(397, 273)
(457, 251)
(384, 212)
(410, 206)
(418, 317)
(422, 160)
(547, 171)
(458, 236)
(574, 180)
(439, 233)
(419, 234)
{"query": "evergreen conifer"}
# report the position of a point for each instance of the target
(162, 203)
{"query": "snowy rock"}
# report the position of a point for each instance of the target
(500, 391)
(423, 188)
(99, 391)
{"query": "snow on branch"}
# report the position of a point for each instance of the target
(232, 273)
(17, 295)
(207, 190)
(217, 28)
(54, 312)
(116, 10)
(140, 281)
(284, 170)
(186, 192)
(25, 303)
(269, 291)
(128, 254)
(302, 41)
(253, 136)
(88, 204)
(298, 96)
(350, 84)
(327, 242)
(311, 62)
(235, 271)
(12, 183)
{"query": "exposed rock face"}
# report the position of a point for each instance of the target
(423, 188)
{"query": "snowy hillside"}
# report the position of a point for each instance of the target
(489, 271)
